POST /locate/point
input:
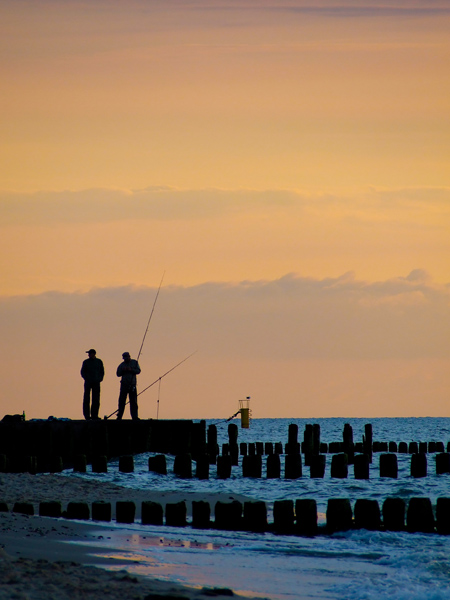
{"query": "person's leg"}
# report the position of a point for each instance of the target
(133, 403)
(122, 400)
(95, 400)
(87, 400)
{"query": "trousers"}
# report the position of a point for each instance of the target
(91, 412)
(131, 391)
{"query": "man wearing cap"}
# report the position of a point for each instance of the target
(92, 371)
(128, 370)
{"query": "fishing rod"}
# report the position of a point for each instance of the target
(151, 315)
(167, 372)
(156, 381)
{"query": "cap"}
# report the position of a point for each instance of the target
(91, 351)
(125, 355)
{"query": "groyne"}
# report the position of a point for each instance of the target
(290, 517)
(51, 445)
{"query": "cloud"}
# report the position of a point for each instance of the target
(318, 5)
(344, 346)
(291, 317)
(155, 203)
(334, 8)
(101, 205)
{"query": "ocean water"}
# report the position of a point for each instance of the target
(353, 565)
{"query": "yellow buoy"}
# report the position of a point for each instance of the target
(244, 409)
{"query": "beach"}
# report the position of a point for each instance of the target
(133, 560)
(36, 560)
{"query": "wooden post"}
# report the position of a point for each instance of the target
(201, 514)
(283, 516)
(308, 444)
(393, 447)
(101, 511)
(151, 513)
(442, 463)
(317, 469)
(202, 466)
(233, 432)
(419, 516)
(126, 464)
(125, 511)
(78, 510)
(255, 516)
(419, 465)
(50, 509)
(367, 515)
(268, 448)
(339, 466)
(273, 466)
(394, 514)
(339, 515)
(388, 466)
(367, 440)
(223, 467)
(252, 466)
(259, 448)
(347, 436)
(79, 463)
(176, 514)
(361, 466)
(157, 464)
(99, 464)
(182, 466)
(443, 516)
(293, 466)
(305, 517)
(228, 515)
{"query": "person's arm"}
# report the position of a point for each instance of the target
(102, 370)
(82, 373)
(120, 370)
(136, 368)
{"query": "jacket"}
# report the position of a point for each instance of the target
(128, 377)
(92, 370)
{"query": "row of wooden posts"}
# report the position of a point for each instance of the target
(312, 445)
(293, 469)
(289, 517)
(36, 447)
(252, 465)
(267, 448)
(20, 441)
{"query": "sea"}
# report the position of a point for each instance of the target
(356, 564)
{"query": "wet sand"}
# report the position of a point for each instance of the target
(37, 563)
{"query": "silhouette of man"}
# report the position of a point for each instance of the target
(128, 370)
(92, 371)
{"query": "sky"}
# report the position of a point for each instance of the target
(283, 166)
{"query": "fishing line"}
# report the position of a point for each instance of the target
(156, 380)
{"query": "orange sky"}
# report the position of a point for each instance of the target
(230, 142)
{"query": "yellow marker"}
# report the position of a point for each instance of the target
(244, 409)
